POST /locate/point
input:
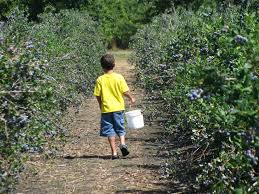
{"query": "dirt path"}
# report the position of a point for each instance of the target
(86, 166)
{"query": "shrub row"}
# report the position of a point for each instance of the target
(45, 67)
(203, 68)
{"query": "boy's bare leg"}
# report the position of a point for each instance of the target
(113, 145)
(122, 140)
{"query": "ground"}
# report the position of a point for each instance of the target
(85, 165)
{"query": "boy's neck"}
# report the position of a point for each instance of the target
(108, 71)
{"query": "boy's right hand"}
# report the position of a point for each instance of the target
(132, 100)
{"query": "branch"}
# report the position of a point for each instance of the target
(6, 131)
(17, 91)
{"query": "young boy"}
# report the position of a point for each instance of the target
(109, 91)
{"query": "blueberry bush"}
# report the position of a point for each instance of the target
(45, 68)
(202, 67)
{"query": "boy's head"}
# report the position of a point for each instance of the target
(107, 62)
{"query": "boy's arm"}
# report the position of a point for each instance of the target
(130, 97)
(99, 101)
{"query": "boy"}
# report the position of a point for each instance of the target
(109, 91)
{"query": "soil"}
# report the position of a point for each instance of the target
(85, 165)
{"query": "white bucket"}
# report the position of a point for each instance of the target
(134, 119)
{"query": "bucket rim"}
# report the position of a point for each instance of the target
(133, 111)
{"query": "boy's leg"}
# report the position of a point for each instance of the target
(122, 140)
(120, 130)
(113, 145)
(107, 130)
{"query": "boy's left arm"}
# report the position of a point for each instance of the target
(99, 101)
(97, 93)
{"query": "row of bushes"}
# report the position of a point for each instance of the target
(202, 66)
(45, 67)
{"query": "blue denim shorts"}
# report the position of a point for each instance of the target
(112, 123)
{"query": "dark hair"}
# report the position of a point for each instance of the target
(107, 62)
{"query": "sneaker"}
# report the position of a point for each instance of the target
(124, 150)
(115, 157)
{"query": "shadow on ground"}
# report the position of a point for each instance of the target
(172, 189)
(108, 157)
(144, 166)
(142, 192)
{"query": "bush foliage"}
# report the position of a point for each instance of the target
(203, 67)
(44, 69)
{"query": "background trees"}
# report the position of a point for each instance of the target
(118, 19)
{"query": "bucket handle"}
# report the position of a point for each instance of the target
(131, 107)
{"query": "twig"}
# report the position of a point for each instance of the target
(15, 105)
(6, 131)
(230, 79)
(165, 76)
(17, 91)
(203, 155)
(192, 154)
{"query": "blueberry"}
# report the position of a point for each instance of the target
(176, 56)
(253, 77)
(22, 134)
(35, 149)
(58, 113)
(216, 34)
(5, 104)
(251, 156)
(210, 59)
(1, 25)
(162, 66)
(204, 50)
(3, 175)
(240, 39)
(206, 14)
(208, 97)
(194, 94)
(64, 130)
(191, 97)
(25, 147)
(254, 160)
(225, 29)
(241, 133)
(248, 152)
(53, 133)
(23, 120)
(29, 44)
(11, 121)
(11, 49)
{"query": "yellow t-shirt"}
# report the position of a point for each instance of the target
(110, 87)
